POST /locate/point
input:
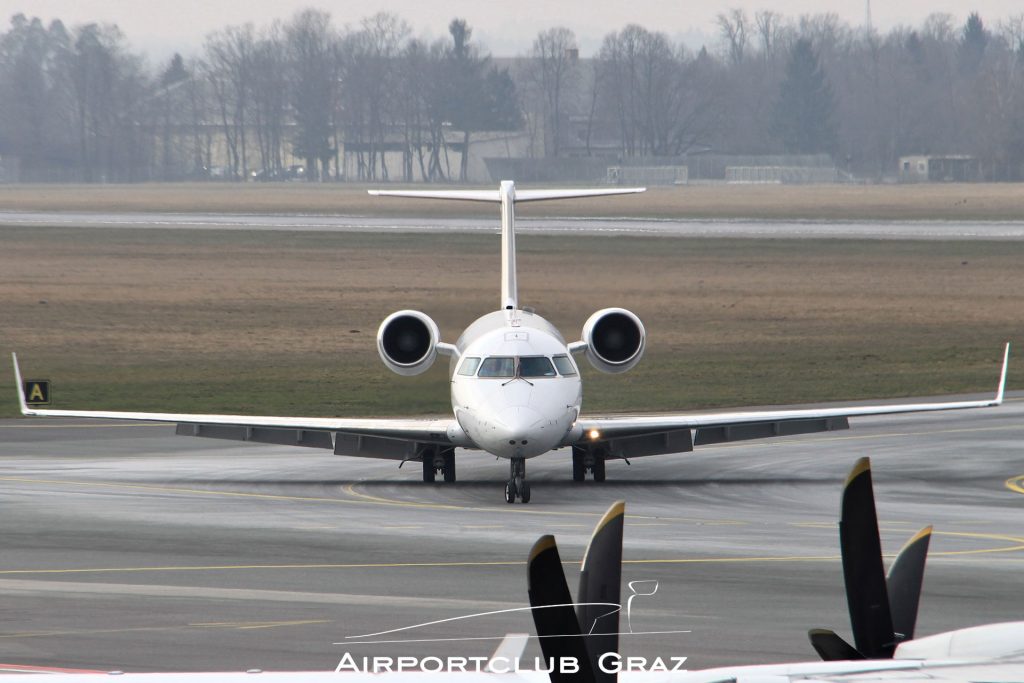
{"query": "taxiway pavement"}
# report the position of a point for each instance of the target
(916, 230)
(125, 547)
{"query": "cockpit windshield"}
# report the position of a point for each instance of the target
(517, 366)
(565, 366)
(535, 366)
(469, 366)
(498, 366)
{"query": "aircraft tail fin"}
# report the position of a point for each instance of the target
(507, 196)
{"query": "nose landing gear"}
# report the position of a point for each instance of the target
(517, 486)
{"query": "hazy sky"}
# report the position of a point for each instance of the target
(161, 27)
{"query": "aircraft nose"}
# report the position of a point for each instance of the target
(516, 424)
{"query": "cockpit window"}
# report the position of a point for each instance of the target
(535, 366)
(469, 366)
(564, 365)
(498, 366)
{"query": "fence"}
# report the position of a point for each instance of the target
(789, 175)
(648, 175)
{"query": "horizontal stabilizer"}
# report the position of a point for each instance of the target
(495, 195)
(464, 195)
(544, 195)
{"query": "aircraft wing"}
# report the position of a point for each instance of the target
(393, 439)
(636, 436)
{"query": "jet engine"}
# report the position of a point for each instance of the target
(615, 340)
(407, 342)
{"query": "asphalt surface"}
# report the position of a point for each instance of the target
(926, 230)
(124, 547)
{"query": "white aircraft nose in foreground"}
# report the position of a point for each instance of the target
(515, 388)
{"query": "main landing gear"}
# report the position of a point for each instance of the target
(585, 460)
(439, 461)
(517, 487)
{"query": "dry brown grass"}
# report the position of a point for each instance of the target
(284, 323)
(824, 202)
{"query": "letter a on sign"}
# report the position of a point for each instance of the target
(37, 392)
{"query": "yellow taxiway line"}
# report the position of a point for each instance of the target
(1014, 544)
(1016, 484)
(241, 626)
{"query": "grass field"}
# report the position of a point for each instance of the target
(284, 323)
(974, 201)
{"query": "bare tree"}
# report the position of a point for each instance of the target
(269, 85)
(768, 22)
(35, 95)
(663, 99)
(229, 55)
(1011, 30)
(77, 104)
(733, 27)
(109, 87)
(554, 59)
(371, 79)
(938, 26)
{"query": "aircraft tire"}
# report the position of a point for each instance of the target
(449, 466)
(510, 493)
(524, 492)
(428, 468)
(598, 468)
(579, 469)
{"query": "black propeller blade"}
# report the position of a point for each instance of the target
(601, 582)
(830, 647)
(597, 607)
(883, 609)
(904, 584)
(554, 616)
(863, 572)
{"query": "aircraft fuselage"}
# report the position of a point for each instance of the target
(515, 389)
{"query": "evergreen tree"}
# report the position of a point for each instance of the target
(502, 111)
(311, 46)
(174, 72)
(480, 96)
(973, 42)
(803, 117)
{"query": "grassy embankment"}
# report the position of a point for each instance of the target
(974, 201)
(284, 323)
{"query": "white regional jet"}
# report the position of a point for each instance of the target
(515, 388)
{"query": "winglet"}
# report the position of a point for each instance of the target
(18, 386)
(1002, 377)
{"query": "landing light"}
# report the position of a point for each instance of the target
(594, 434)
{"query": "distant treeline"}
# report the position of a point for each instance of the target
(78, 104)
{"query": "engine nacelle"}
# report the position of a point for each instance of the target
(407, 342)
(615, 340)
